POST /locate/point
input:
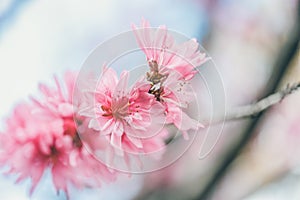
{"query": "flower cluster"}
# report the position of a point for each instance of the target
(133, 119)
(55, 133)
(42, 135)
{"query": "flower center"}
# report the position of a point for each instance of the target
(156, 79)
(107, 110)
(53, 154)
(118, 109)
(70, 129)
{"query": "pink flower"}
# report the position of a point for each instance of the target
(159, 47)
(176, 96)
(43, 134)
(129, 118)
(172, 66)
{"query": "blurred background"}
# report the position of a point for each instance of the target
(40, 38)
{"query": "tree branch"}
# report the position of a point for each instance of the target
(258, 107)
(250, 110)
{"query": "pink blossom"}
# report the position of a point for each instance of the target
(176, 96)
(42, 135)
(172, 66)
(160, 47)
(129, 118)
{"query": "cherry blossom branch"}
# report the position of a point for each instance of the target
(251, 110)
(258, 107)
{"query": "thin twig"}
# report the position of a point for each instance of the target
(253, 109)
(247, 111)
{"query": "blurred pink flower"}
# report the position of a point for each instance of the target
(42, 134)
(129, 118)
(160, 47)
